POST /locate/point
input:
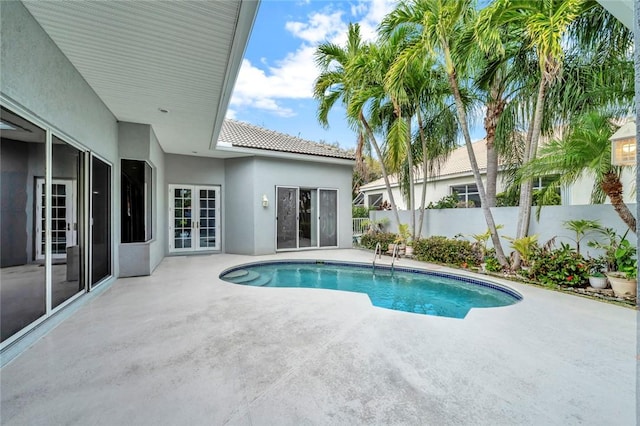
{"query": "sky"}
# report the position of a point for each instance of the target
(274, 88)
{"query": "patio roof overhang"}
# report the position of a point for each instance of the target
(172, 65)
(621, 9)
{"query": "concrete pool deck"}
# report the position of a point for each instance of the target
(183, 347)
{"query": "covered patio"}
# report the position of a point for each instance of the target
(183, 347)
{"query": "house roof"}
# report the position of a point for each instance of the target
(145, 57)
(245, 135)
(457, 164)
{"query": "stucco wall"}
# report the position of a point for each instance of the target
(38, 81)
(37, 76)
(240, 205)
(451, 222)
(160, 207)
(271, 172)
(139, 142)
(184, 169)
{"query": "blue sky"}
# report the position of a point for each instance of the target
(275, 82)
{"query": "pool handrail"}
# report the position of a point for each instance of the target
(377, 251)
(394, 255)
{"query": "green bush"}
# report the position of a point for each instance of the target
(446, 202)
(359, 212)
(562, 266)
(369, 241)
(491, 262)
(445, 250)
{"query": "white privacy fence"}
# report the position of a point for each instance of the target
(452, 222)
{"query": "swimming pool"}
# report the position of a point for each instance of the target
(403, 289)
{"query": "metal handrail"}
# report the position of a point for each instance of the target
(396, 253)
(377, 251)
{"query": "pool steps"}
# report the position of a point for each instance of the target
(245, 277)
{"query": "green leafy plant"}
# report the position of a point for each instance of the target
(525, 247)
(359, 212)
(481, 242)
(491, 263)
(597, 266)
(445, 250)
(562, 266)
(370, 240)
(619, 254)
(582, 227)
(626, 262)
(403, 234)
(446, 202)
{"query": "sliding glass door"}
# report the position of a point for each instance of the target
(47, 183)
(23, 285)
(67, 207)
(100, 220)
(306, 218)
(328, 217)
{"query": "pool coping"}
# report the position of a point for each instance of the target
(469, 280)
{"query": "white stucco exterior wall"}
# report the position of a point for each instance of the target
(40, 83)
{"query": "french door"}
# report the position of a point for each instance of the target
(306, 218)
(63, 217)
(194, 218)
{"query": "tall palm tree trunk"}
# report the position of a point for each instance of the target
(385, 176)
(462, 117)
(411, 203)
(612, 186)
(531, 147)
(494, 111)
(423, 197)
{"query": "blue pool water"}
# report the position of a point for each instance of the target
(409, 290)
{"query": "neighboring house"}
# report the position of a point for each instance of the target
(455, 175)
(115, 152)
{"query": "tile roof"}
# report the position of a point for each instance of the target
(457, 163)
(245, 135)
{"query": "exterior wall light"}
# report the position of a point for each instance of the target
(623, 145)
(265, 200)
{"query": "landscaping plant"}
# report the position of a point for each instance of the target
(559, 267)
(369, 240)
(445, 250)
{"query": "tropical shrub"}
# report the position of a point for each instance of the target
(445, 250)
(359, 212)
(625, 259)
(446, 202)
(370, 240)
(561, 266)
(492, 264)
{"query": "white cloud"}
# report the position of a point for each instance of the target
(319, 28)
(231, 114)
(293, 76)
(376, 10)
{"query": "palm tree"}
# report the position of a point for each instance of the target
(335, 84)
(585, 150)
(435, 29)
(545, 24)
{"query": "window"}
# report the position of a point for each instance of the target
(375, 200)
(467, 195)
(136, 200)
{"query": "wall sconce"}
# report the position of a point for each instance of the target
(265, 200)
(623, 145)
